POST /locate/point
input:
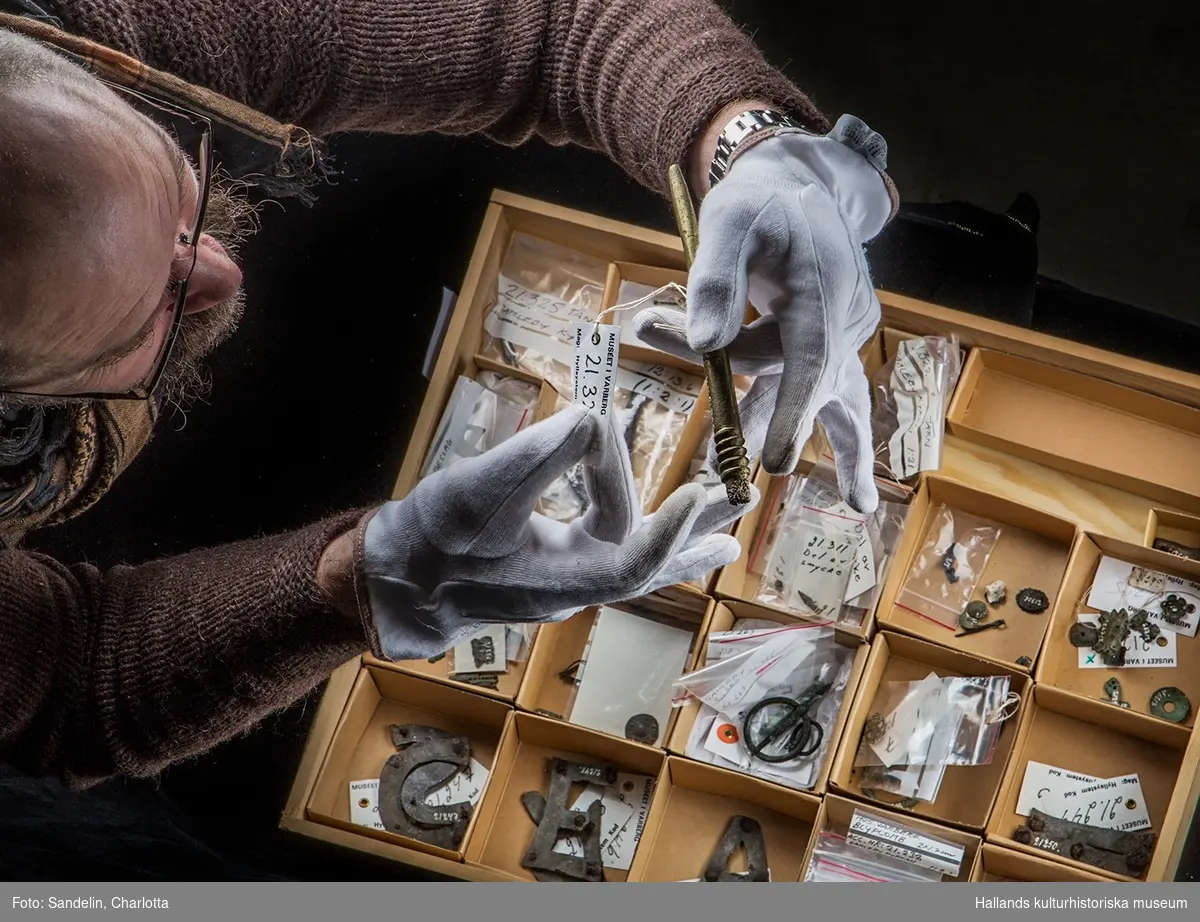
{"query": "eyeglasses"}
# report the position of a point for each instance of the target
(193, 133)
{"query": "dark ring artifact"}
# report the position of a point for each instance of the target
(1170, 695)
(1033, 601)
(1175, 609)
(801, 733)
(642, 728)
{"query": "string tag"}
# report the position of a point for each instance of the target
(597, 348)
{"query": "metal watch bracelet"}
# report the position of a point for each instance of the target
(740, 131)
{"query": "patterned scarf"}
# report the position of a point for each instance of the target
(55, 463)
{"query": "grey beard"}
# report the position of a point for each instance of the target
(230, 219)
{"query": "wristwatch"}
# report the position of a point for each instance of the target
(755, 123)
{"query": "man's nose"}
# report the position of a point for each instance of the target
(215, 279)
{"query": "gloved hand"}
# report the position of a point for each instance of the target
(466, 547)
(786, 229)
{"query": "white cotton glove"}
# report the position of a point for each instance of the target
(785, 228)
(466, 547)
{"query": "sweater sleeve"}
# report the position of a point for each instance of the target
(637, 79)
(126, 671)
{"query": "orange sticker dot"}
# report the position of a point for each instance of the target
(727, 733)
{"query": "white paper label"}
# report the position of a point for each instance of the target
(1043, 783)
(534, 320)
(597, 348)
(674, 389)
(862, 577)
(822, 565)
(915, 446)
(1113, 803)
(484, 651)
(624, 807)
(364, 803)
(467, 786)
(1160, 653)
(1120, 584)
(905, 844)
(761, 669)
(912, 722)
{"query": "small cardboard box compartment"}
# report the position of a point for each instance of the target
(362, 743)
(562, 644)
(1031, 551)
(503, 828)
(1059, 665)
(724, 616)
(1003, 865)
(693, 806)
(836, 814)
(1173, 526)
(967, 791)
(1105, 742)
(1081, 424)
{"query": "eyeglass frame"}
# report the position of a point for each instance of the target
(205, 170)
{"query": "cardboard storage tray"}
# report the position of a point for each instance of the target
(836, 814)
(995, 864)
(1031, 550)
(362, 743)
(1152, 448)
(694, 804)
(504, 829)
(1173, 526)
(1097, 739)
(562, 644)
(1115, 503)
(967, 791)
(1060, 663)
(723, 618)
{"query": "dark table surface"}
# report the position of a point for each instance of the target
(311, 410)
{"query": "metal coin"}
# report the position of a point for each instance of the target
(642, 728)
(1033, 601)
(1179, 706)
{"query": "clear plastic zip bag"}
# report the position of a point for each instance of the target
(812, 560)
(492, 649)
(544, 289)
(936, 721)
(478, 418)
(912, 393)
(836, 860)
(947, 570)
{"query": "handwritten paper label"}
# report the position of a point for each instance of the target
(916, 386)
(1043, 783)
(905, 844)
(467, 786)
(364, 803)
(911, 724)
(597, 347)
(674, 389)
(624, 807)
(534, 320)
(862, 576)
(1160, 653)
(1113, 803)
(823, 562)
(1120, 584)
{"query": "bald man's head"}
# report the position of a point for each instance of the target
(96, 204)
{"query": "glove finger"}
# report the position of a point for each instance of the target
(847, 422)
(614, 510)
(652, 546)
(755, 350)
(481, 506)
(718, 514)
(711, 553)
(731, 233)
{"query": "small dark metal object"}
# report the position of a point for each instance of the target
(875, 728)
(802, 733)
(1179, 550)
(642, 728)
(745, 833)
(975, 613)
(571, 672)
(1108, 639)
(555, 819)
(1107, 849)
(1033, 601)
(1024, 661)
(437, 659)
(1112, 688)
(1175, 609)
(427, 759)
(478, 679)
(875, 775)
(546, 713)
(950, 563)
(987, 626)
(636, 410)
(483, 651)
(1173, 696)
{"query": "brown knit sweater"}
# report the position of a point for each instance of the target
(125, 671)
